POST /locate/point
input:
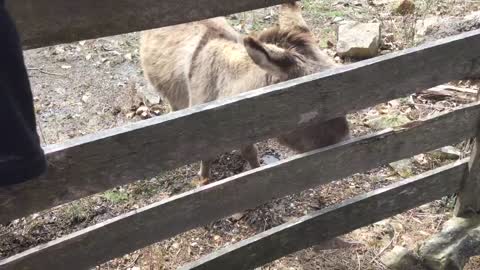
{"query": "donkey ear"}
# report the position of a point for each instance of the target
(290, 16)
(269, 57)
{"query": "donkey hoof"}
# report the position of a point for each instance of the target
(199, 181)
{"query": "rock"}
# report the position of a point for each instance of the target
(403, 167)
(400, 258)
(424, 27)
(237, 216)
(451, 152)
(148, 95)
(432, 27)
(116, 110)
(447, 152)
(337, 19)
(128, 56)
(86, 97)
(142, 111)
(451, 249)
(58, 50)
(404, 7)
(358, 40)
(156, 109)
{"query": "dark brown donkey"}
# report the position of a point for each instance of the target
(198, 62)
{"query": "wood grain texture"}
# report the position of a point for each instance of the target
(468, 199)
(97, 162)
(201, 206)
(49, 22)
(335, 220)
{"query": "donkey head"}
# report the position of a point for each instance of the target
(288, 51)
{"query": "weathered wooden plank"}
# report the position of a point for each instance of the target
(468, 200)
(186, 211)
(49, 22)
(97, 162)
(336, 220)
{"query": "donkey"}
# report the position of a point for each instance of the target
(202, 61)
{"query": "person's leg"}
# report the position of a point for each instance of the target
(21, 157)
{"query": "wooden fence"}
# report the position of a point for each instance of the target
(97, 162)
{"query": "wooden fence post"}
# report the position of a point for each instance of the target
(468, 199)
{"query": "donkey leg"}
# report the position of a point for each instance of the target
(249, 153)
(203, 176)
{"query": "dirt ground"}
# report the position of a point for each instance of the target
(84, 87)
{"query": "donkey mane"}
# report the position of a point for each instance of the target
(297, 39)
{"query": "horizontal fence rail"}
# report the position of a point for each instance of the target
(97, 162)
(153, 223)
(336, 220)
(49, 22)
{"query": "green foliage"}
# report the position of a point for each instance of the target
(77, 213)
(321, 9)
(387, 121)
(115, 196)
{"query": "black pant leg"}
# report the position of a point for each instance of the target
(21, 157)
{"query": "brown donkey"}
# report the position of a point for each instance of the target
(198, 62)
